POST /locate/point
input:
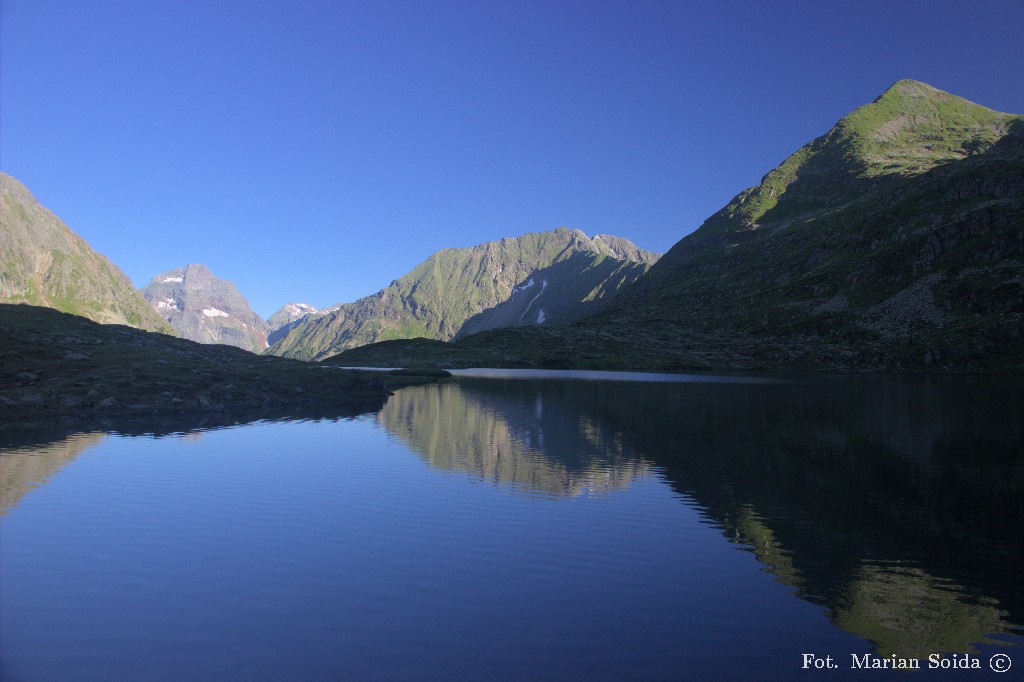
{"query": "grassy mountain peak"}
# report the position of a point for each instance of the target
(909, 129)
(913, 127)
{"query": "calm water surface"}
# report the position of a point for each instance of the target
(541, 527)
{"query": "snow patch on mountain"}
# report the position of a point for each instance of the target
(543, 286)
(523, 287)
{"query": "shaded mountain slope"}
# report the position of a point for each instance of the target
(204, 308)
(561, 293)
(42, 262)
(894, 241)
(436, 298)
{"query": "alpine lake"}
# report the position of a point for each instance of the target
(513, 525)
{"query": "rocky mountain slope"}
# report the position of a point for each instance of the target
(44, 263)
(561, 293)
(437, 297)
(204, 308)
(894, 241)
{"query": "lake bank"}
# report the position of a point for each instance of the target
(57, 365)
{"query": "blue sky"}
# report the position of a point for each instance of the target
(314, 151)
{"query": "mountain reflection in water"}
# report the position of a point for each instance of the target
(898, 504)
(534, 441)
(22, 469)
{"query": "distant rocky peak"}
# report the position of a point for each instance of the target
(204, 308)
(291, 312)
(195, 273)
(624, 249)
(288, 317)
(299, 309)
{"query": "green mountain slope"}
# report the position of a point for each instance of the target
(44, 263)
(894, 241)
(436, 298)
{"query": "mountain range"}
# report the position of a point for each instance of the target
(894, 241)
(565, 276)
(541, 278)
(207, 309)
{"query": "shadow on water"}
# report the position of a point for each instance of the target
(32, 452)
(30, 433)
(896, 503)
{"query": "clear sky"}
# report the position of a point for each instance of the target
(314, 151)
